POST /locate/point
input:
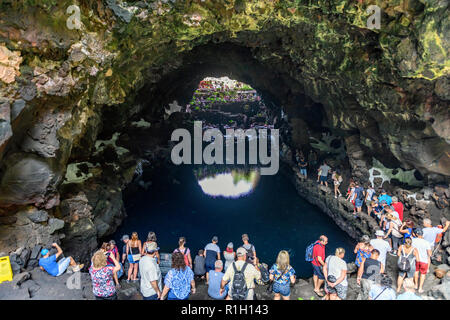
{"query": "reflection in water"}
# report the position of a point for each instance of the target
(234, 184)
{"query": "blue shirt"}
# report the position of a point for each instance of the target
(50, 265)
(214, 285)
(280, 277)
(179, 282)
(211, 251)
(386, 198)
(408, 296)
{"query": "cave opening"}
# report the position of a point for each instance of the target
(227, 200)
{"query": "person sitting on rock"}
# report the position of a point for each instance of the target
(199, 264)
(53, 268)
(215, 279)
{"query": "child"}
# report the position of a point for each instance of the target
(199, 264)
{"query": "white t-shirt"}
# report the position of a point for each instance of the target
(369, 194)
(149, 271)
(335, 268)
(383, 246)
(430, 234)
(422, 246)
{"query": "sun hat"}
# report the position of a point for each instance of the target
(151, 247)
(379, 233)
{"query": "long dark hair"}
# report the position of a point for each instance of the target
(178, 261)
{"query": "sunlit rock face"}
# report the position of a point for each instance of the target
(232, 184)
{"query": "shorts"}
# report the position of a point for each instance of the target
(63, 264)
(410, 273)
(317, 271)
(209, 267)
(358, 203)
(303, 172)
(421, 267)
(323, 178)
(283, 289)
(339, 290)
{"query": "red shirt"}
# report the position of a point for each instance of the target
(318, 251)
(398, 206)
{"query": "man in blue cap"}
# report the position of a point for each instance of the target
(53, 268)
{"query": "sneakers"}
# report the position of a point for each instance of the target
(393, 253)
(77, 267)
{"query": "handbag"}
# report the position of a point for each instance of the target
(270, 286)
(133, 258)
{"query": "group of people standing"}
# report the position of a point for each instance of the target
(233, 280)
(413, 259)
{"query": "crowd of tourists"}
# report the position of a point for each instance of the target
(399, 237)
(233, 274)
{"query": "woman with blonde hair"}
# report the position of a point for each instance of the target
(102, 276)
(134, 249)
(335, 272)
(185, 251)
(282, 274)
(394, 230)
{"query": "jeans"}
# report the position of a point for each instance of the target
(153, 297)
(283, 289)
(396, 242)
(63, 264)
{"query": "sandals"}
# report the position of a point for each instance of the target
(320, 293)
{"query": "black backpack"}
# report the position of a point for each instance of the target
(403, 262)
(250, 255)
(239, 288)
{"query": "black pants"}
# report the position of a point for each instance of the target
(113, 297)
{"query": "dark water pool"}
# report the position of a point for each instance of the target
(273, 215)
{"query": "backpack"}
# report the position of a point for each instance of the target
(250, 255)
(360, 192)
(309, 251)
(239, 288)
(403, 262)
(263, 268)
(186, 260)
